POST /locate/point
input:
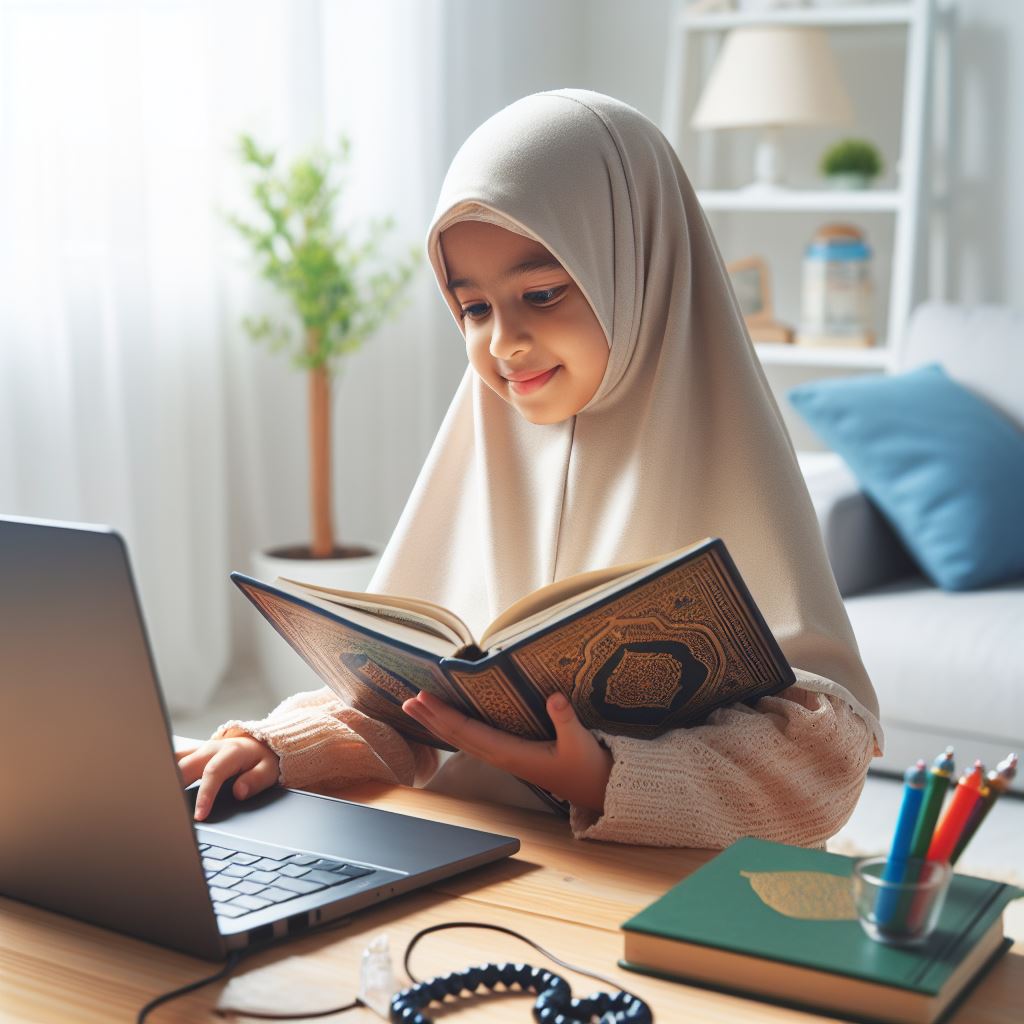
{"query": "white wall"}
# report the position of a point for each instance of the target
(986, 257)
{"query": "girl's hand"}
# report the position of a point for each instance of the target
(573, 766)
(217, 760)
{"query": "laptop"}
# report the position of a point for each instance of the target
(97, 823)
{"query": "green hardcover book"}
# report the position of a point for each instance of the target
(778, 922)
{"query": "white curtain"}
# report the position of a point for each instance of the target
(129, 394)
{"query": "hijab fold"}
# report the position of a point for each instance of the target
(683, 438)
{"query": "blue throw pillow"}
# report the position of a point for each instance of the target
(945, 467)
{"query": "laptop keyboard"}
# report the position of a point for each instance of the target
(241, 882)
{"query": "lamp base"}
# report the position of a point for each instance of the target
(768, 158)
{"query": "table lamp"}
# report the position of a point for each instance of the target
(771, 77)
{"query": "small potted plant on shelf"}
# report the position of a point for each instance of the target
(336, 302)
(851, 163)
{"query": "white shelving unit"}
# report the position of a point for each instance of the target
(823, 200)
(904, 203)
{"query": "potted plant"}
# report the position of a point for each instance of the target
(851, 163)
(336, 302)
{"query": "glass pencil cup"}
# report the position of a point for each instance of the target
(899, 908)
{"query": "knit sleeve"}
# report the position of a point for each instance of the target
(322, 743)
(788, 769)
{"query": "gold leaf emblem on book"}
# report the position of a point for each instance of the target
(643, 679)
(808, 895)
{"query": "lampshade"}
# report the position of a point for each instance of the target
(773, 76)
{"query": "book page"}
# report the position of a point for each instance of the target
(562, 597)
(413, 611)
(402, 625)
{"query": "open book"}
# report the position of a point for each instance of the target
(637, 649)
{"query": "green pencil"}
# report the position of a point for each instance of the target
(939, 776)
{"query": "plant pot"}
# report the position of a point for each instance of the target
(848, 180)
(282, 670)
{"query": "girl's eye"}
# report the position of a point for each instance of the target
(478, 310)
(468, 311)
(547, 295)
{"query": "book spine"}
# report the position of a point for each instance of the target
(369, 671)
(499, 695)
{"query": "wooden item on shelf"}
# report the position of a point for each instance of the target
(771, 333)
(814, 339)
(751, 282)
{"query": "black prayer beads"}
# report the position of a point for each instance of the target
(554, 1004)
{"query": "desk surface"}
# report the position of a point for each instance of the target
(568, 895)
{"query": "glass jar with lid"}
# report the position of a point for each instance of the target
(837, 290)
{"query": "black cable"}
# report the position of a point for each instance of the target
(232, 962)
(237, 956)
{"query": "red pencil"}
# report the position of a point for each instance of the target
(951, 825)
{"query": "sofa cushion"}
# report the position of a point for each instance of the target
(948, 663)
(945, 467)
(981, 346)
(862, 547)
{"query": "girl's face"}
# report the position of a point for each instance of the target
(524, 317)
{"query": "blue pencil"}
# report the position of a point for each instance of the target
(913, 793)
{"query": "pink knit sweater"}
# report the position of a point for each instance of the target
(789, 769)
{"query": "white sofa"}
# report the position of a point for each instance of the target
(948, 667)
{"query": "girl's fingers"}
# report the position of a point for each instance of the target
(192, 764)
(575, 764)
(445, 722)
(568, 728)
(503, 750)
(220, 767)
(256, 779)
(440, 724)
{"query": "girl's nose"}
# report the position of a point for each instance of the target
(507, 337)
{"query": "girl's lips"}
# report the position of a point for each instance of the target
(525, 387)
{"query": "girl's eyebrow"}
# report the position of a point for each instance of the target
(541, 263)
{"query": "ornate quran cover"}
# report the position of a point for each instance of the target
(778, 922)
(638, 649)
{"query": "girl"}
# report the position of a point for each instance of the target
(613, 410)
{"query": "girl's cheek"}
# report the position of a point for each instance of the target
(479, 354)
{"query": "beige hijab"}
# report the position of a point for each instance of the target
(682, 439)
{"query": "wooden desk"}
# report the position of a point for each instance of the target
(568, 895)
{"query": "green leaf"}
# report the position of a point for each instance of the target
(330, 272)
